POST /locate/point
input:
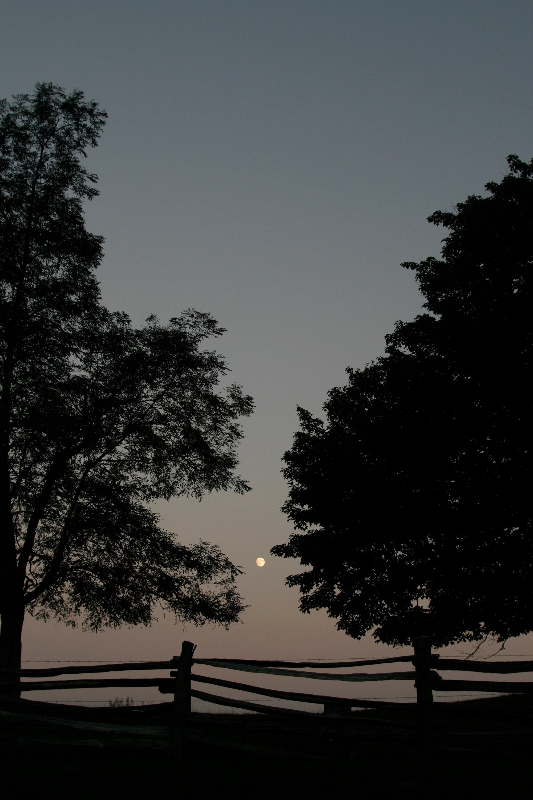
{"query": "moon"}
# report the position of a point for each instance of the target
(260, 562)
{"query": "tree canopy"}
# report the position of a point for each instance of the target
(412, 501)
(97, 418)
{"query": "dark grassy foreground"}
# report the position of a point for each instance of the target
(366, 757)
(91, 773)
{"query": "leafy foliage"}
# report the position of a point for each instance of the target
(97, 419)
(134, 418)
(412, 503)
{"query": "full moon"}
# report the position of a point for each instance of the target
(260, 562)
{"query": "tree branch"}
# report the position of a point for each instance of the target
(59, 462)
(52, 571)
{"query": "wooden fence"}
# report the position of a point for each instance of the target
(182, 682)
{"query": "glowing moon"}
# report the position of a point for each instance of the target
(260, 562)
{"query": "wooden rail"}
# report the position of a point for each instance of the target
(51, 672)
(502, 667)
(224, 662)
(90, 683)
(503, 687)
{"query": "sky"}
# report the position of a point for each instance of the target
(273, 164)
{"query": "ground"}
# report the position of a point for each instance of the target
(478, 750)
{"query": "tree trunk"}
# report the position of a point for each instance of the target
(11, 645)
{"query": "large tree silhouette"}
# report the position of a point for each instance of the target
(97, 419)
(412, 502)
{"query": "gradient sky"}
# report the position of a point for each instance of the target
(273, 163)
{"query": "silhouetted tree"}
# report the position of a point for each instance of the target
(97, 419)
(412, 503)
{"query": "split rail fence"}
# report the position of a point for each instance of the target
(182, 682)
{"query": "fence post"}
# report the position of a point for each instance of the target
(182, 696)
(424, 692)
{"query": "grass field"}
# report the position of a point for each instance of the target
(481, 750)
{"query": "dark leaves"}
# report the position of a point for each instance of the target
(412, 503)
(97, 419)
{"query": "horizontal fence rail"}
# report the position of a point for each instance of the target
(51, 672)
(246, 705)
(358, 677)
(90, 683)
(223, 662)
(500, 687)
(502, 667)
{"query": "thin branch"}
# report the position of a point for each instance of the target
(52, 571)
(58, 464)
(482, 642)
